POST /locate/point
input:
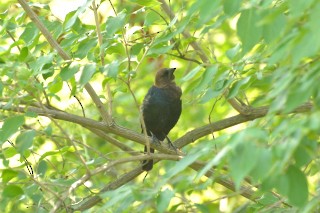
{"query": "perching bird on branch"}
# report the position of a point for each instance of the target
(161, 109)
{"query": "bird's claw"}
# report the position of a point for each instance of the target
(155, 140)
(171, 146)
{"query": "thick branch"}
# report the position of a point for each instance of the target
(255, 113)
(125, 178)
(90, 124)
(183, 141)
(189, 137)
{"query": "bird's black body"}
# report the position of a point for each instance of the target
(161, 108)
(161, 111)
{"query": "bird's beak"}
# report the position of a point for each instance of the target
(172, 71)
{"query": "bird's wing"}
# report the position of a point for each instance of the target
(156, 112)
(175, 112)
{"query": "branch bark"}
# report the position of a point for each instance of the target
(189, 137)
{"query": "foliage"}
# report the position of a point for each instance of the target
(262, 55)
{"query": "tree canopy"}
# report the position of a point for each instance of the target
(72, 82)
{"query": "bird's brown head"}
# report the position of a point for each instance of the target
(164, 77)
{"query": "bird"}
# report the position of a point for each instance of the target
(161, 109)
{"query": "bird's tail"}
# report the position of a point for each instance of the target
(147, 165)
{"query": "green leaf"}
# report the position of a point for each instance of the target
(55, 27)
(242, 161)
(237, 86)
(42, 168)
(274, 25)
(180, 166)
(263, 166)
(191, 74)
(233, 52)
(116, 196)
(40, 62)
(24, 140)
(112, 69)
(72, 18)
(1, 88)
(116, 48)
(299, 95)
(208, 10)
(203, 208)
(87, 73)
(114, 24)
(231, 6)
(85, 46)
(164, 199)
(159, 49)
(209, 95)
(268, 199)
(56, 152)
(214, 161)
(9, 152)
(8, 174)
(48, 130)
(33, 192)
(69, 71)
(306, 46)
(30, 33)
(31, 114)
(312, 205)
(248, 30)
(24, 74)
(298, 187)
(207, 78)
(12, 191)
(301, 156)
(151, 18)
(10, 126)
(298, 7)
(23, 53)
(147, 3)
(135, 50)
(56, 85)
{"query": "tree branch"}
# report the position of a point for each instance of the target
(189, 137)
(109, 95)
(255, 113)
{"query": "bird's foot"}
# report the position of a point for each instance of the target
(171, 146)
(155, 140)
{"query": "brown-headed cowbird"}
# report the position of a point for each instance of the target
(161, 109)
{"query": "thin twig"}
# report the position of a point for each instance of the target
(109, 94)
(54, 44)
(28, 164)
(111, 164)
(28, 66)
(185, 58)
